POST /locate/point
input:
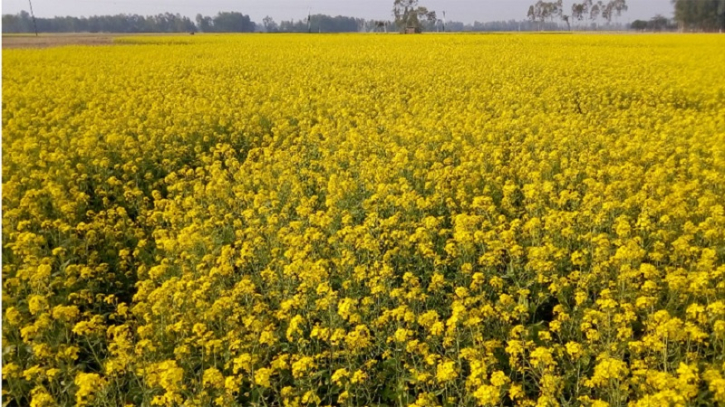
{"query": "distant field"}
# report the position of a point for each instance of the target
(55, 40)
(364, 220)
(45, 40)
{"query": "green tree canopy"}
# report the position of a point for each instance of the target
(409, 14)
(700, 15)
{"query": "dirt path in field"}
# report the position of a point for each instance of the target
(55, 40)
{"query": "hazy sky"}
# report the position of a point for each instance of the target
(457, 10)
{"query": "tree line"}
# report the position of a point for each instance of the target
(586, 12)
(237, 22)
(317, 23)
(176, 23)
(689, 15)
(655, 24)
(129, 23)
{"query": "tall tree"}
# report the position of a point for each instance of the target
(620, 6)
(203, 23)
(543, 10)
(612, 9)
(270, 25)
(700, 15)
(595, 11)
(577, 12)
(566, 20)
(408, 13)
(531, 15)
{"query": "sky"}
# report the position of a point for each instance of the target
(466, 11)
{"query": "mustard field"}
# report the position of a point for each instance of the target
(365, 220)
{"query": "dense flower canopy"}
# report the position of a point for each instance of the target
(297, 220)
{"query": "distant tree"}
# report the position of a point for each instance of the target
(595, 11)
(619, 6)
(232, 21)
(658, 23)
(408, 13)
(510, 25)
(639, 25)
(607, 12)
(288, 26)
(455, 26)
(19, 23)
(592, 11)
(380, 26)
(338, 24)
(588, 4)
(203, 23)
(538, 12)
(612, 9)
(558, 9)
(566, 20)
(326, 24)
(329, 24)
(578, 11)
(542, 11)
(430, 19)
(270, 25)
(404, 13)
(532, 15)
(700, 15)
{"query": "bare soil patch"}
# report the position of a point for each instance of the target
(55, 40)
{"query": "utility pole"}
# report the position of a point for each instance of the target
(309, 21)
(32, 14)
(444, 21)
